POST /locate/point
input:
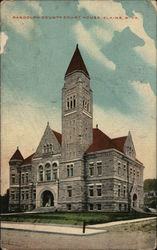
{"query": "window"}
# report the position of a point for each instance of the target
(74, 101)
(48, 146)
(124, 191)
(27, 195)
(12, 195)
(22, 178)
(68, 106)
(99, 168)
(120, 207)
(48, 172)
(130, 171)
(55, 174)
(134, 172)
(40, 173)
(119, 168)
(124, 168)
(69, 189)
(119, 190)
(13, 179)
(70, 171)
(90, 207)
(51, 147)
(125, 207)
(26, 178)
(54, 165)
(91, 190)
(34, 194)
(99, 187)
(22, 195)
(138, 174)
(44, 148)
(99, 207)
(69, 207)
(91, 169)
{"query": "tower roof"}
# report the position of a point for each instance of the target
(77, 64)
(17, 155)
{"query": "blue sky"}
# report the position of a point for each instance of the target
(120, 58)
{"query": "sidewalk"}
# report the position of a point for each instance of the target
(115, 223)
(47, 228)
(67, 230)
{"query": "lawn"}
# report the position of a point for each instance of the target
(74, 218)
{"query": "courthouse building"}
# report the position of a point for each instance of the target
(81, 169)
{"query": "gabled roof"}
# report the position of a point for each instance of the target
(101, 142)
(17, 156)
(58, 136)
(28, 160)
(77, 64)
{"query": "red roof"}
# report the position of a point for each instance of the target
(58, 136)
(101, 142)
(77, 63)
(17, 156)
(119, 143)
(28, 160)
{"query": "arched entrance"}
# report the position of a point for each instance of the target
(135, 200)
(47, 199)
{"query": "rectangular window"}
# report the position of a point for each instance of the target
(55, 174)
(130, 171)
(138, 174)
(69, 189)
(34, 194)
(27, 195)
(99, 190)
(91, 171)
(13, 179)
(69, 207)
(98, 207)
(68, 171)
(22, 195)
(91, 191)
(26, 178)
(119, 168)
(120, 207)
(99, 168)
(134, 172)
(71, 170)
(90, 207)
(124, 191)
(22, 178)
(48, 174)
(12, 195)
(124, 169)
(118, 190)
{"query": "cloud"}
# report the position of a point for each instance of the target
(110, 9)
(143, 130)
(102, 34)
(90, 45)
(21, 26)
(3, 41)
(23, 124)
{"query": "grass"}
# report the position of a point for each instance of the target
(74, 218)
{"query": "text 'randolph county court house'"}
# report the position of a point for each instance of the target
(82, 168)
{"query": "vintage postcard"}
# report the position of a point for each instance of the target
(78, 124)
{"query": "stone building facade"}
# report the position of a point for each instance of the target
(81, 169)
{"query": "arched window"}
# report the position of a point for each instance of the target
(48, 147)
(48, 172)
(51, 147)
(54, 165)
(40, 173)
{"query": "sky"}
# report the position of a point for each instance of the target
(120, 55)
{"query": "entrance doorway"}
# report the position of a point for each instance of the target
(47, 199)
(135, 200)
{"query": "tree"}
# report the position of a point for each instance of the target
(150, 185)
(4, 202)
